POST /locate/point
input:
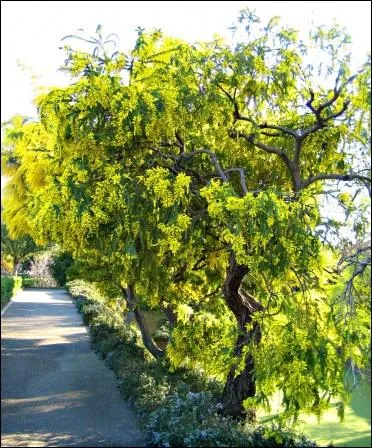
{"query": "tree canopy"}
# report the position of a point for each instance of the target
(19, 249)
(189, 178)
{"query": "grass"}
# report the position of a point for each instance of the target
(354, 431)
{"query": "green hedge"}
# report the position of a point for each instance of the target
(9, 287)
(38, 282)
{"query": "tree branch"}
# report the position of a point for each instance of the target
(238, 116)
(213, 158)
(297, 152)
(283, 129)
(251, 138)
(191, 154)
(243, 182)
(180, 141)
(343, 177)
(233, 101)
(321, 122)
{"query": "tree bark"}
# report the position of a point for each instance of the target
(171, 316)
(16, 266)
(145, 333)
(243, 385)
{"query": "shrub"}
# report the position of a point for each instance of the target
(60, 263)
(9, 287)
(192, 419)
(179, 408)
(90, 311)
(38, 282)
(80, 288)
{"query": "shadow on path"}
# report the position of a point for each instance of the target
(55, 391)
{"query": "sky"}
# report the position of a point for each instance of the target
(31, 32)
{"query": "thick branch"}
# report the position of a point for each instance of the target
(171, 315)
(343, 177)
(288, 131)
(322, 121)
(145, 333)
(243, 182)
(298, 149)
(181, 143)
(251, 138)
(189, 155)
(213, 158)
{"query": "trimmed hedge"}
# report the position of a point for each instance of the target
(178, 408)
(38, 282)
(9, 287)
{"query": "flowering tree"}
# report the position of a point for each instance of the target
(192, 185)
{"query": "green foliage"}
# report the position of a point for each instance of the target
(19, 249)
(9, 287)
(38, 282)
(60, 263)
(30, 282)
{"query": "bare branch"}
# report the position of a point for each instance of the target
(233, 101)
(213, 158)
(251, 138)
(180, 141)
(353, 258)
(321, 122)
(314, 128)
(309, 104)
(216, 291)
(200, 178)
(350, 287)
(343, 177)
(243, 182)
(337, 91)
(271, 134)
(238, 116)
(339, 113)
(191, 154)
(283, 129)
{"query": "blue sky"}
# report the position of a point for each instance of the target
(31, 32)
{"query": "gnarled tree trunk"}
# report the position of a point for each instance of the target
(242, 386)
(145, 333)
